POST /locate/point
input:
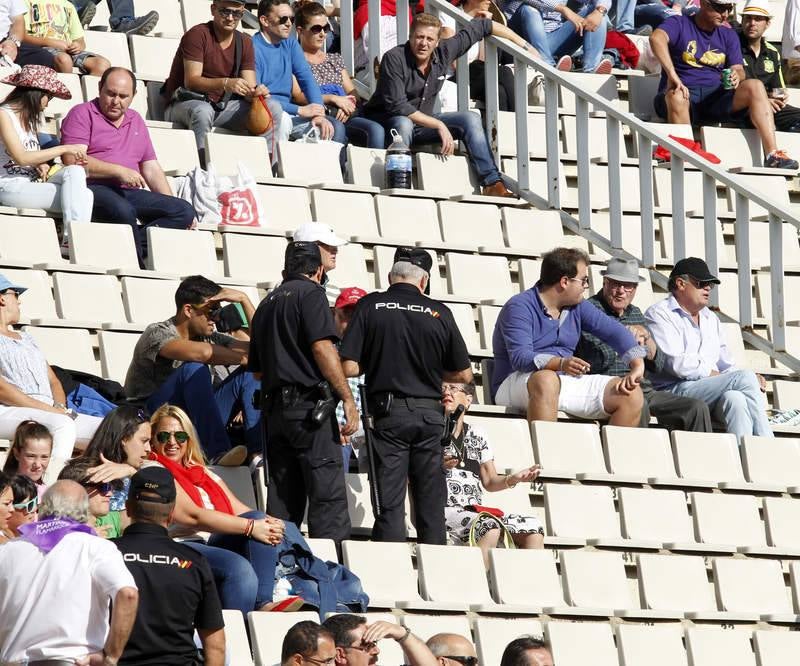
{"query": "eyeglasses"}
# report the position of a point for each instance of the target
(13, 291)
(452, 389)
(28, 507)
(104, 488)
(286, 20)
(323, 662)
(181, 436)
(231, 13)
(316, 29)
(700, 284)
(625, 286)
(365, 647)
(719, 7)
(467, 661)
(584, 281)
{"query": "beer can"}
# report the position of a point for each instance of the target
(726, 78)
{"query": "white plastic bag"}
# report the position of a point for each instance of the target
(199, 188)
(239, 204)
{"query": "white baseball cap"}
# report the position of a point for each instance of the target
(317, 232)
(757, 8)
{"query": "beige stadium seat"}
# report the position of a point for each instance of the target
(26, 241)
(507, 134)
(487, 318)
(753, 586)
(733, 520)
(712, 456)
(465, 321)
(604, 86)
(267, 631)
(524, 577)
(90, 300)
(598, 139)
(695, 239)
(148, 301)
(324, 549)
(794, 583)
(791, 307)
(776, 648)
(193, 13)
(449, 176)
(582, 643)
(771, 460)
(425, 626)
(537, 177)
(316, 164)
(680, 582)
(408, 220)
(112, 45)
(227, 151)
(237, 646)
(661, 645)
(351, 268)
(509, 439)
(759, 245)
(474, 226)
(170, 22)
(370, 560)
(366, 166)
(734, 147)
(483, 278)
(69, 348)
(569, 451)
(493, 634)
(183, 252)
(782, 516)
(60, 107)
(152, 56)
(785, 394)
(285, 208)
(90, 243)
(534, 231)
(711, 646)
(692, 202)
(584, 514)
(359, 504)
(116, 352)
(638, 508)
(384, 260)
(258, 258)
(176, 149)
(351, 214)
(772, 188)
(529, 272)
(37, 303)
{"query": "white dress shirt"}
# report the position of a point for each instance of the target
(692, 351)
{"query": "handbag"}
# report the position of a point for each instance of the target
(259, 118)
(506, 537)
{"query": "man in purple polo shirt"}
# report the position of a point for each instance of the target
(534, 342)
(122, 162)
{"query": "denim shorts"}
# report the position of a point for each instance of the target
(78, 60)
(707, 104)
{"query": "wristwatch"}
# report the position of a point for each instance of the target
(13, 40)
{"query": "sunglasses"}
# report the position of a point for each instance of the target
(181, 436)
(14, 291)
(467, 661)
(316, 29)
(103, 488)
(701, 284)
(28, 507)
(719, 7)
(231, 13)
(286, 20)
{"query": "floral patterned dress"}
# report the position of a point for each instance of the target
(464, 488)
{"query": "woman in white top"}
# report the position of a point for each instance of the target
(24, 168)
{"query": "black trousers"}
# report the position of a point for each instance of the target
(505, 84)
(408, 453)
(676, 412)
(305, 467)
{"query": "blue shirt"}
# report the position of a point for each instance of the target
(525, 337)
(275, 64)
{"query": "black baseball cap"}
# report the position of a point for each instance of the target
(302, 256)
(418, 257)
(696, 268)
(153, 484)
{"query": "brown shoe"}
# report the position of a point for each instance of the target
(497, 189)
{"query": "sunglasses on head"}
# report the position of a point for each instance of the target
(316, 29)
(235, 13)
(181, 436)
(286, 20)
(28, 507)
(720, 7)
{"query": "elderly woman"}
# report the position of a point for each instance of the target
(26, 505)
(30, 390)
(469, 463)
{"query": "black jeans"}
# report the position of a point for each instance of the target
(305, 465)
(120, 205)
(676, 412)
(408, 453)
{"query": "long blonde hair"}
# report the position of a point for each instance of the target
(194, 453)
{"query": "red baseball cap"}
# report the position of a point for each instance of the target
(349, 296)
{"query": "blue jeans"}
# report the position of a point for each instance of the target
(464, 126)
(365, 132)
(243, 568)
(120, 10)
(189, 387)
(622, 14)
(528, 23)
(734, 398)
(120, 205)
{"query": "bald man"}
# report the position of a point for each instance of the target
(527, 651)
(452, 650)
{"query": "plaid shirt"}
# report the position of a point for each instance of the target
(353, 382)
(603, 359)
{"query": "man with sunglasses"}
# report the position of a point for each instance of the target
(279, 57)
(698, 363)
(452, 649)
(205, 88)
(535, 367)
(693, 52)
(620, 281)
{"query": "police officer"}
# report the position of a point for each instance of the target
(407, 344)
(293, 351)
(164, 629)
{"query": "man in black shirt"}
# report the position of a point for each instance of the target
(411, 76)
(292, 351)
(176, 588)
(407, 344)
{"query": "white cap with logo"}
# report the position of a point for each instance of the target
(317, 232)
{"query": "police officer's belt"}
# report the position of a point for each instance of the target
(416, 403)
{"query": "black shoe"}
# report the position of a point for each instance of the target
(139, 25)
(87, 15)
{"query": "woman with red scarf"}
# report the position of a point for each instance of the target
(239, 543)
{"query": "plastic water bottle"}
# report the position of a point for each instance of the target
(398, 164)
(282, 589)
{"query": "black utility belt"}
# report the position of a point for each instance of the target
(323, 401)
(381, 404)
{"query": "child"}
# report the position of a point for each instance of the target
(55, 26)
(30, 453)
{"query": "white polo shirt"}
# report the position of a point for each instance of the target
(9, 10)
(55, 605)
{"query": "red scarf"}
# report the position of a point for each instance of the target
(192, 478)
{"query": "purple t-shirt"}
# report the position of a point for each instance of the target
(127, 145)
(699, 56)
